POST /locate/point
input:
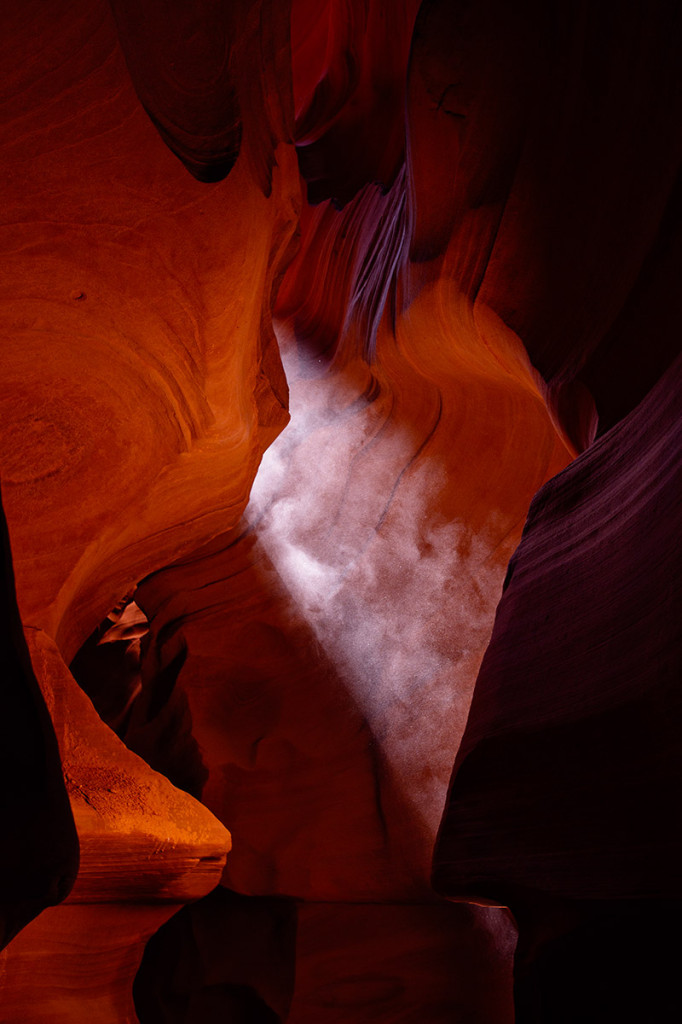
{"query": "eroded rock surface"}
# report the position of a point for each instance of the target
(131, 431)
(145, 849)
(320, 660)
(123, 279)
(576, 713)
(487, 283)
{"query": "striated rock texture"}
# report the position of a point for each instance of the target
(561, 804)
(136, 305)
(617, 503)
(140, 385)
(481, 285)
(545, 156)
(288, 663)
(145, 848)
(306, 644)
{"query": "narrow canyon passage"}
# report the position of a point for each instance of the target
(340, 464)
(308, 676)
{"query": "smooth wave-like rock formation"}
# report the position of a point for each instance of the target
(309, 674)
(123, 278)
(130, 432)
(545, 155)
(145, 849)
(481, 286)
(348, 74)
(612, 508)
(562, 797)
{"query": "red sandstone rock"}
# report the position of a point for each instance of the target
(528, 199)
(123, 278)
(584, 657)
(145, 848)
(544, 166)
(184, 78)
(130, 432)
(75, 964)
(349, 69)
(310, 675)
(323, 659)
(561, 800)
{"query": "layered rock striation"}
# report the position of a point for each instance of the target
(479, 287)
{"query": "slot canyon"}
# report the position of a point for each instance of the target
(341, 487)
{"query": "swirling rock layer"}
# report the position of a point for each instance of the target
(320, 660)
(125, 417)
(483, 282)
(145, 848)
(568, 768)
(116, 306)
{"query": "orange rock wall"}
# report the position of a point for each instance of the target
(459, 227)
(136, 304)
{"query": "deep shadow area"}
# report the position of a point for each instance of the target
(39, 850)
(610, 961)
(228, 959)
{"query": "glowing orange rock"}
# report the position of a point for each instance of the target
(145, 849)
(323, 657)
(140, 385)
(136, 307)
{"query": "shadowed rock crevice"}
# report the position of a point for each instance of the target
(457, 225)
(39, 851)
(225, 958)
